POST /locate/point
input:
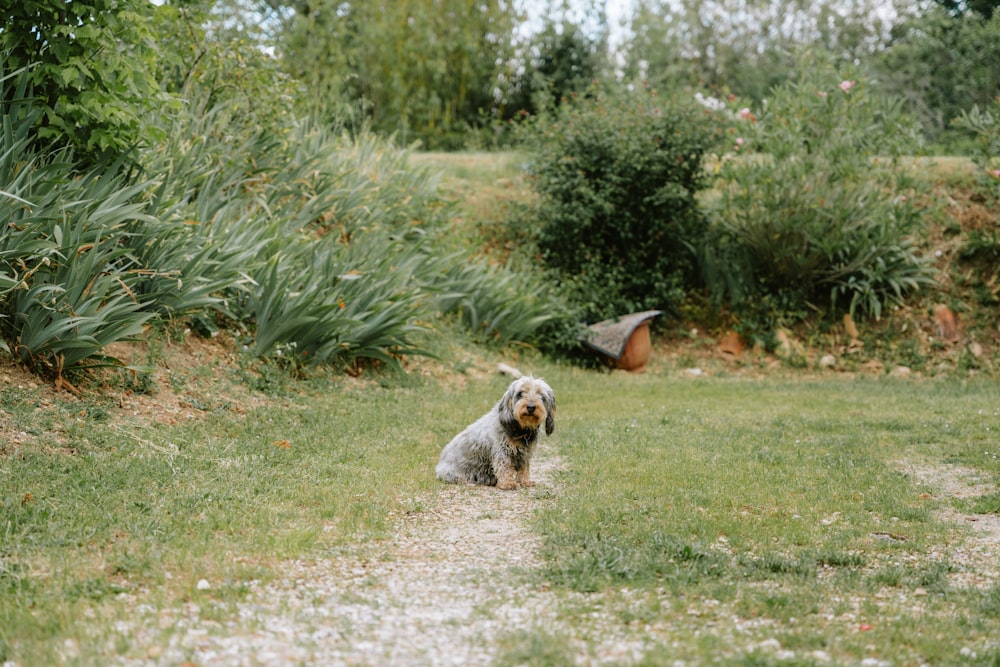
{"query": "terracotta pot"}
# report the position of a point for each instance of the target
(637, 348)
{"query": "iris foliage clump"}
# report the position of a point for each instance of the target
(305, 244)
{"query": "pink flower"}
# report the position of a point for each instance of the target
(846, 86)
(739, 143)
(995, 173)
(746, 114)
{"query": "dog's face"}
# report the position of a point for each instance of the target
(527, 404)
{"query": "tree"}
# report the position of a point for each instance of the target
(744, 46)
(559, 60)
(423, 69)
(942, 65)
(984, 8)
(216, 52)
(91, 69)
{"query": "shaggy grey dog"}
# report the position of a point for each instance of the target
(496, 450)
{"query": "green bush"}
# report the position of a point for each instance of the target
(819, 210)
(618, 173)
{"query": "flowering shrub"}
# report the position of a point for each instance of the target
(983, 245)
(985, 124)
(818, 211)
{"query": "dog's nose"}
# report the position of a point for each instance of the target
(531, 408)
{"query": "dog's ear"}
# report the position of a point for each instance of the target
(550, 406)
(505, 407)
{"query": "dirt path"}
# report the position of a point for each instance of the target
(978, 555)
(449, 589)
(445, 591)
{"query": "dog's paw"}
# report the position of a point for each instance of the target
(507, 485)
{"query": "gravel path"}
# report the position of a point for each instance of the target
(449, 589)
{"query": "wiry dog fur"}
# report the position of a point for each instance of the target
(496, 450)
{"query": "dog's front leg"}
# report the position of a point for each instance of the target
(506, 475)
(523, 476)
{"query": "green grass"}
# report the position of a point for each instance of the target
(480, 168)
(487, 188)
(131, 508)
(780, 505)
(778, 502)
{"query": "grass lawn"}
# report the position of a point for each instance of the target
(744, 515)
(753, 521)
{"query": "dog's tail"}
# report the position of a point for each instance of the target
(509, 370)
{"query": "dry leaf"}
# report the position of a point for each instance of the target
(849, 327)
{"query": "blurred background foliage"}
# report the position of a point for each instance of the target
(242, 166)
(448, 73)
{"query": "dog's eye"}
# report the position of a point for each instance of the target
(520, 394)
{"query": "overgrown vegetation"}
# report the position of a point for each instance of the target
(160, 166)
(815, 211)
(314, 247)
(805, 212)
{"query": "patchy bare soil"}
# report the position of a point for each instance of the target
(188, 378)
